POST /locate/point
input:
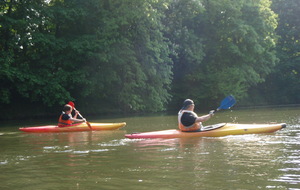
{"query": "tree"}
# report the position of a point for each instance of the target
(131, 70)
(24, 35)
(93, 51)
(107, 57)
(236, 43)
(283, 86)
(187, 47)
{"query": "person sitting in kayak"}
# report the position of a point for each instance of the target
(66, 119)
(188, 120)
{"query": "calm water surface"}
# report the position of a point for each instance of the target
(107, 160)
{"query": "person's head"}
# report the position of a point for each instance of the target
(188, 104)
(67, 108)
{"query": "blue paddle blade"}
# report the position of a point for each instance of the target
(227, 103)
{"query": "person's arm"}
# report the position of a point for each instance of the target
(75, 117)
(204, 117)
(78, 120)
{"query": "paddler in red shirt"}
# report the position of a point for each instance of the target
(188, 120)
(66, 118)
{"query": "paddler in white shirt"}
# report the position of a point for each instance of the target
(188, 120)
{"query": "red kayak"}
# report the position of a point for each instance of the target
(72, 128)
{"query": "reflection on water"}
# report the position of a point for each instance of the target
(290, 157)
(107, 160)
(248, 161)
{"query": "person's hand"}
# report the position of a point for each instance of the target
(211, 112)
(84, 120)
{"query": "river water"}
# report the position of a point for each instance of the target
(106, 160)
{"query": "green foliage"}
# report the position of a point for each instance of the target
(283, 85)
(223, 47)
(141, 55)
(243, 38)
(86, 50)
(187, 48)
(141, 72)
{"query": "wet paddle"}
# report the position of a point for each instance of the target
(88, 123)
(227, 103)
(73, 105)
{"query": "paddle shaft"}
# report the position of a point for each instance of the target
(83, 117)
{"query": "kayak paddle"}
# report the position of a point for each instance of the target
(227, 103)
(85, 120)
(73, 105)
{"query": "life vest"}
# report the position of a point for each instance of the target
(64, 123)
(195, 127)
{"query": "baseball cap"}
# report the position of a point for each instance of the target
(186, 103)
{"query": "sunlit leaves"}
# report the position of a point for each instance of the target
(140, 55)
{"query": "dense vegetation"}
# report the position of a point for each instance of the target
(146, 55)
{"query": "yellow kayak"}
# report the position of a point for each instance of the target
(73, 128)
(218, 130)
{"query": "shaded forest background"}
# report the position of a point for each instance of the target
(129, 56)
